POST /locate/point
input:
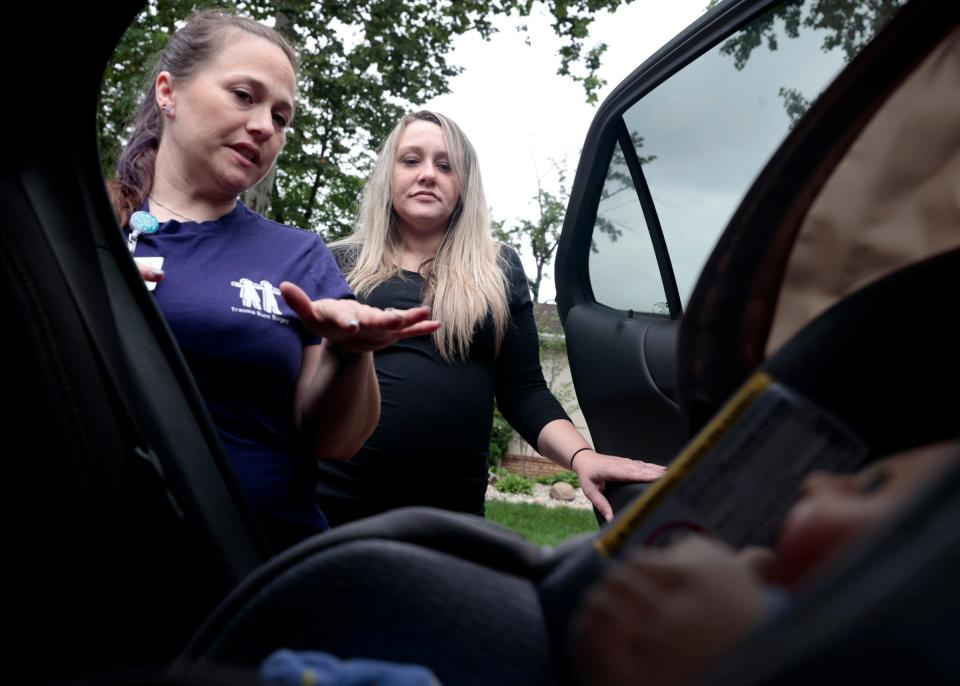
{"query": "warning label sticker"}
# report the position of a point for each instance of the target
(738, 477)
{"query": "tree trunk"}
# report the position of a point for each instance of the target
(535, 286)
(260, 196)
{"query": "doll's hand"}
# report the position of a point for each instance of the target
(663, 615)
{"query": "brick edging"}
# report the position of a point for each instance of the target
(530, 465)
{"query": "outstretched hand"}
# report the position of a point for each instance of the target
(595, 469)
(353, 326)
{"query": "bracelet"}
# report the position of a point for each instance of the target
(577, 452)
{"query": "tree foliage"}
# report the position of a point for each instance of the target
(365, 63)
(617, 181)
(543, 233)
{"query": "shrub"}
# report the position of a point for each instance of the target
(514, 483)
(499, 439)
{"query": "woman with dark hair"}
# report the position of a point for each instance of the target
(423, 237)
(286, 370)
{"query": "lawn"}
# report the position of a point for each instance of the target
(541, 525)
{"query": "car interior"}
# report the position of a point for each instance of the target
(136, 559)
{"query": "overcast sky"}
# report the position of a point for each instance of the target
(520, 115)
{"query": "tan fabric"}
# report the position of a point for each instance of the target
(893, 200)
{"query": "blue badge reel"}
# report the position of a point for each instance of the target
(140, 223)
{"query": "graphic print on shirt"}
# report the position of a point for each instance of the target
(259, 299)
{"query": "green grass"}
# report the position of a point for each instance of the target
(541, 525)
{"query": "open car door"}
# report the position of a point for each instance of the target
(666, 162)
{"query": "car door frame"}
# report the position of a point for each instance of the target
(623, 363)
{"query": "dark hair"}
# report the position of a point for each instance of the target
(188, 49)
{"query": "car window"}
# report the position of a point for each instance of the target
(622, 247)
(702, 136)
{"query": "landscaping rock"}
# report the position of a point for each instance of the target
(562, 491)
(541, 496)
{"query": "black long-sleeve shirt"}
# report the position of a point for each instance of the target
(432, 443)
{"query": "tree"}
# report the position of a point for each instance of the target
(365, 63)
(127, 71)
(502, 234)
(617, 181)
(544, 233)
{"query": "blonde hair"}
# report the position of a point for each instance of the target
(466, 280)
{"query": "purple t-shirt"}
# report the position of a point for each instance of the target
(244, 346)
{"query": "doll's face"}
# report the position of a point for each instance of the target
(834, 510)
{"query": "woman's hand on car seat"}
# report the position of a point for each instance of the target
(596, 469)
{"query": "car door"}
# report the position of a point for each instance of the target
(666, 162)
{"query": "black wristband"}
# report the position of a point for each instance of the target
(577, 452)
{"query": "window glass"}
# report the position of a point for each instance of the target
(623, 267)
(706, 132)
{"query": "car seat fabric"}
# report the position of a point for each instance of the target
(879, 353)
(891, 201)
(450, 533)
(555, 577)
(889, 383)
(391, 600)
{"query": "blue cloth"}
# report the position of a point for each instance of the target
(244, 346)
(310, 668)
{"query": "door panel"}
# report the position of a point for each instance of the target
(632, 412)
(633, 406)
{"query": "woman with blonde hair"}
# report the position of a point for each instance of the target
(423, 238)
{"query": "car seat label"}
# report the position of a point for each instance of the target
(738, 477)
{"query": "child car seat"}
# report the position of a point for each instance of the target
(127, 525)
